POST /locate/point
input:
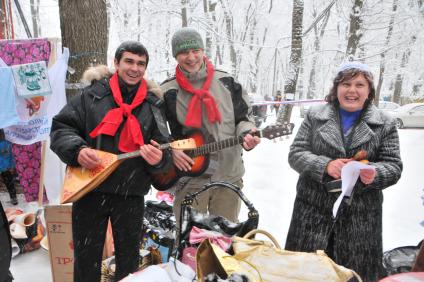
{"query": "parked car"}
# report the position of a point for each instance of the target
(387, 106)
(409, 115)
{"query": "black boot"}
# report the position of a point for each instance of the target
(10, 185)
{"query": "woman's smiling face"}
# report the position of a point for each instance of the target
(353, 93)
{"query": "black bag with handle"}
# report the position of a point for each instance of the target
(190, 217)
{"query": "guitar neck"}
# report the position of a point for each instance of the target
(219, 145)
(136, 153)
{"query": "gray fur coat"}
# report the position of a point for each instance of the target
(356, 235)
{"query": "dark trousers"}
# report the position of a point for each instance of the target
(8, 180)
(5, 248)
(89, 224)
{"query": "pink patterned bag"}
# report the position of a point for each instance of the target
(197, 235)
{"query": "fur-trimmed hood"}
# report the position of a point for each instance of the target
(101, 71)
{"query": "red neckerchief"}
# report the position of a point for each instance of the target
(202, 95)
(131, 137)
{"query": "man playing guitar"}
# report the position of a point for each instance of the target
(204, 98)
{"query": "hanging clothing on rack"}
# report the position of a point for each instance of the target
(27, 157)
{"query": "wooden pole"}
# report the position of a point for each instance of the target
(41, 184)
(24, 22)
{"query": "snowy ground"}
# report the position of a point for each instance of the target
(270, 185)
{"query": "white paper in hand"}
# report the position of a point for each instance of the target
(350, 174)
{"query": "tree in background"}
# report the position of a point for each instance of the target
(295, 60)
(355, 28)
(35, 15)
(84, 31)
(383, 53)
(184, 13)
(251, 38)
(319, 31)
(401, 72)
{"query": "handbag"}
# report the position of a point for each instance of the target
(198, 235)
(266, 261)
(212, 260)
(190, 218)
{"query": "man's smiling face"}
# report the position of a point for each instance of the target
(131, 67)
(191, 60)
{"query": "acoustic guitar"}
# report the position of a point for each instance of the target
(206, 163)
(79, 180)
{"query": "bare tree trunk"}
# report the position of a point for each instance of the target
(209, 10)
(418, 84)
(209, 7)
(208, 41)
(421, 7)
(383, 54)
(300, 93)
(108, 13)
(284, 114)
(342, 31)
(5, 21)
(355, 32)
(251, 34)
(218, 55)
(168, 54)
(250, 28)
(399, 77)
(229, 30)
(35, 15)
(254, 83)
(86, 37)
(311, 94)
(139, 20)
(184, 13)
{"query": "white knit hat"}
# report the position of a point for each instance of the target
(354, 65)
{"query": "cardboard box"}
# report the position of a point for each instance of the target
(61, 247)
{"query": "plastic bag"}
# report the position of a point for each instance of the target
(401, 259)
(263, 261)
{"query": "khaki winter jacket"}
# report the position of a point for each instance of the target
(236, 112)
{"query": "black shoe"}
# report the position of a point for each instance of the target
(14, 200)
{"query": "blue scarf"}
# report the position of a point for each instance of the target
(348, 119)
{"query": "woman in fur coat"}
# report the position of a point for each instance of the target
(328, 138)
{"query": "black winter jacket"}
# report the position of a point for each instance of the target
(71, 128)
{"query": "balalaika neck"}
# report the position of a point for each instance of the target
(217, 146)
(136, 153)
